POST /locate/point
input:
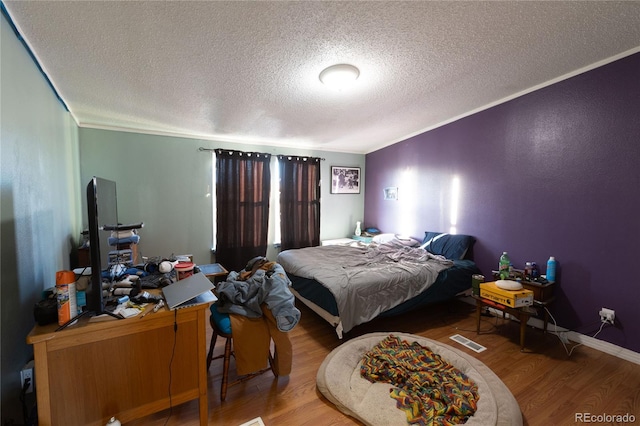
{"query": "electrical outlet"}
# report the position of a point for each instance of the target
(607, 315)
(27, 374)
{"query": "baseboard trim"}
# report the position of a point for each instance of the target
(574, 336)
(606, 347)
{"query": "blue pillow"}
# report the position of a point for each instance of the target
(222, 320)
(450, 246)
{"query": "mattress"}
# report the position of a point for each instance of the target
(448, 284)
(349, 286)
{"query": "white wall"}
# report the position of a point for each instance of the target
(163, 181)
(39, 204)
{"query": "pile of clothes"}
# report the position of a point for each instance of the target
(261, 308)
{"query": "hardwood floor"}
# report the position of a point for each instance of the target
(549, 386)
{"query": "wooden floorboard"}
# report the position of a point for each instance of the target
(550, 386)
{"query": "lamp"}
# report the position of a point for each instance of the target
(339, 76)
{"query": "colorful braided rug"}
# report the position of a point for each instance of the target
(427, 388)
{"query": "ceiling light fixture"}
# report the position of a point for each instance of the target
(339, 76)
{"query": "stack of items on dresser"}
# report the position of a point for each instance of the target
(126, 283)
(126, 247)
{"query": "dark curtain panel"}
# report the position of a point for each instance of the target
(299, 201)
(243, 183)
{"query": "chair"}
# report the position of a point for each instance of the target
(221, 326)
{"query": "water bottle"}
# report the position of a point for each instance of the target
(503, 267)
(551, 269)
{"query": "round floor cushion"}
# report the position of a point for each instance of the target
(340, 382)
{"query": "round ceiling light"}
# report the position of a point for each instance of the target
(339, 76)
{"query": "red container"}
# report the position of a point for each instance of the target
(184, 270)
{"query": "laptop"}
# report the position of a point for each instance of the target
(190, 291)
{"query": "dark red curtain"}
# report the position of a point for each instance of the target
(243, 184)
(299, 201)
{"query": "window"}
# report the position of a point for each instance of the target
(243, 187)
(299, 201)
(244, 206)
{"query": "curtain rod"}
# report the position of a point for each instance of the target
(284, 155)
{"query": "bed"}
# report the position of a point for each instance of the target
(348, 285)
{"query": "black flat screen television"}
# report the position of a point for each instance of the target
(102, 211)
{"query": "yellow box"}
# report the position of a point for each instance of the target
(511, 298)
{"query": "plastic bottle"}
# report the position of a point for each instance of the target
(535, 272)
(358, 231)
(551, 269)
(503, 266)
(527, 271)
(114, 422)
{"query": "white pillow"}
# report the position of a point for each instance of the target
(383, 238)
(401, 239)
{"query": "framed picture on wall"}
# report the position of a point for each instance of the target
(391, 193)
(345, 180)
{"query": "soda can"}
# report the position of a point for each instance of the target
(476, 279)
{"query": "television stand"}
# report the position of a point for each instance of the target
(82, 314)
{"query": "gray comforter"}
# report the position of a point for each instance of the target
(366, 281)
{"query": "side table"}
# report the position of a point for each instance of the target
(338, 242)
(522, 315)
(214, 271)
(543, 295)
(355, 241)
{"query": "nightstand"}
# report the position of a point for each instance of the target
(353, 241)
(542, 296)
(338, 242)
(521, 313)
(214, 271)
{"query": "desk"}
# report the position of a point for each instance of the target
(92, 371)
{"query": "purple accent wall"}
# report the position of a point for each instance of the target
(554, 172)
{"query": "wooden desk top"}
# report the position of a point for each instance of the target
(111, 327)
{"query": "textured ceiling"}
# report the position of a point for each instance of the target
(247, 71)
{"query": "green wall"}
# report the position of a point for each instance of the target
(39, 204)
(163, 181)
(46, 162)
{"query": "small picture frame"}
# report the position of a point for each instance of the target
(391, 193)
(345, 180)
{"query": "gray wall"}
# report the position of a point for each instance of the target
(163, 181)
(39, 204)
(552, 173)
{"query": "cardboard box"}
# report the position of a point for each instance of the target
(511, 298)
